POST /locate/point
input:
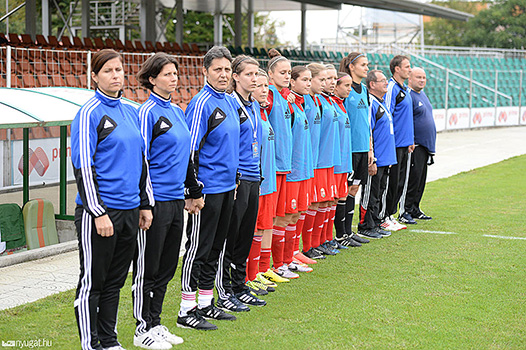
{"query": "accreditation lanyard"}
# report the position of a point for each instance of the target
(391, 129)
(253, 123)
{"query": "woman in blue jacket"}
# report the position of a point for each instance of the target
(167, 149)
(114, 199)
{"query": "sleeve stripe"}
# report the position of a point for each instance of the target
(196, 118)
(144, 110)
(85, 157)
(389, 94)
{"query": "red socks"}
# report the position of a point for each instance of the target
(329, 223)
(253, 258)
(299, 229)
(278, 240)
(318, 227)
(288, 250)
(307, 229)
(264, 260)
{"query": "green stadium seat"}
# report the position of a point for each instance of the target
(39, 223)
(12, 228)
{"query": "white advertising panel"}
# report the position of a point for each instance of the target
(482, 117)
(523, 115)
(507, 116)
(457, 118)
(440, 119)
(44, 161)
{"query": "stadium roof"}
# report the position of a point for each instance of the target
(408, 6)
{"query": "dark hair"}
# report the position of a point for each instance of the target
(340, 76)
(216, 52)
(275, 56)
(100, 58)
(397, 62)
(238, 65)
(297, 70)
(153, 66)
(350, 59)
(371, 77)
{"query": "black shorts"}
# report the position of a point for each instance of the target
(360, 167)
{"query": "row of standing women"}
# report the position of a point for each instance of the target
(260, 160)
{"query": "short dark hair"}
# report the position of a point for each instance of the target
(153, 66)
(100, 58)
(216, 52)
(397, 62)
(371, 77)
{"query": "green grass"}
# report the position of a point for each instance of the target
(413, 290)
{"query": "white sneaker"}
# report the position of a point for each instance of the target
(398, 225)
(284, 272)
(116, 347)
(299, 267)
(168, 337)
(388, 224)
(150, 340)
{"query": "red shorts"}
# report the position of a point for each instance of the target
(331, 179)
(305, 195)
(322, 190)
(341, 185)
(281, 194)
(292, 198)
(267, 211)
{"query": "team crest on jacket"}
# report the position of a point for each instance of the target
(322, 192)
(293, 204)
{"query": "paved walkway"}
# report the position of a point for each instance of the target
(457, 152)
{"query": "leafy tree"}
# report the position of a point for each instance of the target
(448, 32)
(502, 25)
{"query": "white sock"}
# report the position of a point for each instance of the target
(187, 303)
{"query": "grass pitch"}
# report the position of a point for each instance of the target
(442, 284)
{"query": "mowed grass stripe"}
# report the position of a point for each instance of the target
(413, 290)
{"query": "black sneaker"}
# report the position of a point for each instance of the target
(313, 254)
(337, 245)
(247, 298)
(384, 233)
(358, 239)
(347, 241)
(232, 304)
(193, 320)
(422, 216)
(406, 218)
(325, 251)
(212, 312)
(371, 234)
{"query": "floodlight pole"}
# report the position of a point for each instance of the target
(496, 96)
(470, 94)
(520, 92)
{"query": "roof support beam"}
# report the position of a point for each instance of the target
(31, 18)
(218, 24)
(250, 15)
(85, 22)
(147, 20)
(303, 34)
(179, 24)
(46, 18)
(238, 24)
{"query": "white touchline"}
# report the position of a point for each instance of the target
(504, 237)
(439, 232)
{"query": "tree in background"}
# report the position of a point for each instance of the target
(448, 32)
(198, 28)
(502, 25)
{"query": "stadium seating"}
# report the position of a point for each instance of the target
(65, 65)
